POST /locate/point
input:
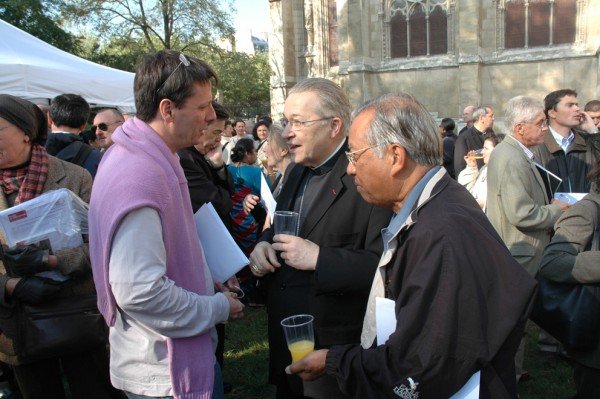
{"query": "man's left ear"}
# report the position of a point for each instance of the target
(166, 110)
(336, 126)
(399, 157)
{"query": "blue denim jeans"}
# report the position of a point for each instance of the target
(218, 392)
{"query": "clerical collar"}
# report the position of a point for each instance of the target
(480, 132)
(328, 164)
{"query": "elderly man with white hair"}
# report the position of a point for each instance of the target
(518, 203)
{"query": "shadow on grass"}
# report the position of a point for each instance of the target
(247, 357)
(550, 379)
(247, 360)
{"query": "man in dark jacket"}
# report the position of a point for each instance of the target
(460, 304)
(205, 170)
(209, 182)
(68, 116)
(327, 269)
(566, 151)
(472, 138)
(447, 127)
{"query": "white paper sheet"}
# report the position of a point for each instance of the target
(385, 318)
(569, 198)
(471, 389)
(56, 218)
(223, 256)
(266, 197)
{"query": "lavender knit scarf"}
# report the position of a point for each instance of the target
(139, 171)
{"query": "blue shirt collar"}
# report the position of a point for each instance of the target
(563, 142)
(398, 220)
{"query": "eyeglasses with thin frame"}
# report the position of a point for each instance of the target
(540, 125)
(297, 125)
(354, 155)
(182, 61)
(103, 126)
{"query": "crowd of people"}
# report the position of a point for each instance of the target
(452, 228)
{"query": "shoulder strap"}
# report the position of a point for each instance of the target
(596, 238)
(82, 155)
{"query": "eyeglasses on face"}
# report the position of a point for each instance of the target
(103, 126)
(540, 125)
(182, 61)
(354, 155)
(297, 125)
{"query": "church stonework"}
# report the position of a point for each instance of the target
(447, 53)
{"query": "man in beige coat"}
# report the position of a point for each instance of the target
(518, 204)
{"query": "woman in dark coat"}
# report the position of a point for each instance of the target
(27, 171)
(568, 259)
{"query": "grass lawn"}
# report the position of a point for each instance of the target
(246, 363)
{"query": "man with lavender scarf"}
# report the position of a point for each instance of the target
(154, 288)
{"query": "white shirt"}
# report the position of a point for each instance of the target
(526, 150)
(563, 142)
(151, 307)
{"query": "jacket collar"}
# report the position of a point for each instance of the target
(534, 170)
(334, 185)
(578, 143)
(432, 189)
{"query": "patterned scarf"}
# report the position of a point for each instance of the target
(28, 180)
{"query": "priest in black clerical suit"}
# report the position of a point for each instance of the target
(328, 269)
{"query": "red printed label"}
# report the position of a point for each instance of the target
(13, 217)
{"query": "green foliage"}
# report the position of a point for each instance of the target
(160, 24)
(37, 17)
(244, 79)
(125, 30)
(118, 53)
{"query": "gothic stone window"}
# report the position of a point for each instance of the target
(333, 33)
(530, 23)
(418, 27)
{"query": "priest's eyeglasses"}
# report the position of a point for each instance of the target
(296, 125)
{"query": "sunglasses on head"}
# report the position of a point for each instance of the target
(182, 61)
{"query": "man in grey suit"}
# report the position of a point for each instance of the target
(518, 204)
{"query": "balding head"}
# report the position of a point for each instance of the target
(106, 122)
(467, 115)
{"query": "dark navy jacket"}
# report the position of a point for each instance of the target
(71, 148)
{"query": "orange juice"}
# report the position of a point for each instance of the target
(299, 349)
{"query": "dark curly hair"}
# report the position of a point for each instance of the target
(495, 138)
(241, 148)
(255, 129)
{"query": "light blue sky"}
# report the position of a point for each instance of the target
(252, 14)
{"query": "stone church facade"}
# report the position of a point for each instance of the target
(447, 53)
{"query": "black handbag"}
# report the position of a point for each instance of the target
(61, 327)
(570, 312)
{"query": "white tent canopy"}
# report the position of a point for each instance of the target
(31, 68)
